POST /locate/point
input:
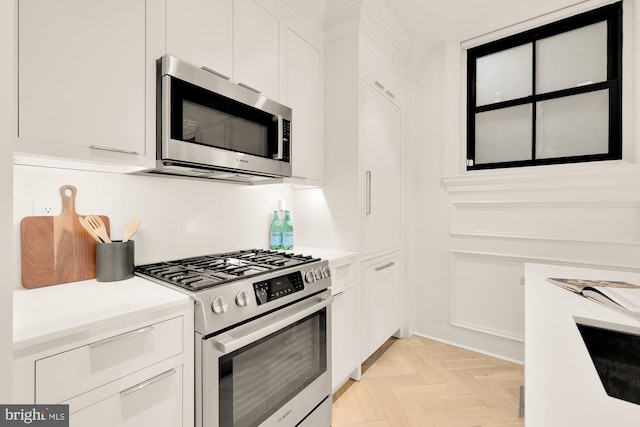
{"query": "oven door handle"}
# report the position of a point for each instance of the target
(246, 334)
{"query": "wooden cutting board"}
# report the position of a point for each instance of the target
(56, 249)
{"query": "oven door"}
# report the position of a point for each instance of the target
(273, 371)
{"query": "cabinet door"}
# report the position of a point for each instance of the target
(82, 73)
(256, 55)
(303, 80)
(381, 297)
(381, 75)
(154, 402)
(201, 32)
(345, 335)
(382, 135)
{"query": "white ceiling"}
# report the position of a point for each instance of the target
(437, 20)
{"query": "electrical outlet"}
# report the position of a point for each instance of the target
(44, 207)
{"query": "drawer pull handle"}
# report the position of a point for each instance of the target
(121, 337)
(148, 382)
(115, 150)
(216, 73)
(378, 84)
(339, 294)
(387, 265)
(390, 94)
(246, 86)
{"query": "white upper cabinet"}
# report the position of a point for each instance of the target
(81, 81)
(201, 32)
(256, 59)
(85, 72)
(381, 74)
(238, 39)
(304, 97)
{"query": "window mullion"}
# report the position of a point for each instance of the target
(534, 110)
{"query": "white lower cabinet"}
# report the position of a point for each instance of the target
(118, 355)
(64, 375)
(345, 335)
(381, 302)
(156, 401)
(133, 378)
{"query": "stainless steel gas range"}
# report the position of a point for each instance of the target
(262, 336)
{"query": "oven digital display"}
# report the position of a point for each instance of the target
(278, 287)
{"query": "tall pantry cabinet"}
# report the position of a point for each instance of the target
(363, 179)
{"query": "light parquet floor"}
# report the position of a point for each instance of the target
(420, 382)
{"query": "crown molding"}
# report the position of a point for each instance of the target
(375, 19)
(311, 12)
(340, 13)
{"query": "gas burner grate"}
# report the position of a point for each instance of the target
(206, 271)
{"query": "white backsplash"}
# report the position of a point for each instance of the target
(180, 217)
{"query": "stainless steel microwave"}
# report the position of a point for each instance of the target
(209, 127)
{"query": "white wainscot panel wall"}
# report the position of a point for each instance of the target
(602, 222)
(487, 294)
(492, 239)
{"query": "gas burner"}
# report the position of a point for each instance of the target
(207, 271)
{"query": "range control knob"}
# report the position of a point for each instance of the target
(318, 273)
(326, 272)
(219, 305)
(242, 299)
(262, 296)
(308, 277)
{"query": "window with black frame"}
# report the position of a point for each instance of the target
(548, 95)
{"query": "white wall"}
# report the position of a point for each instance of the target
(180, 217)
(7, 132)
(476, 230)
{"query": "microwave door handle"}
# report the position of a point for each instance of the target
(280, 120)
(230, 341)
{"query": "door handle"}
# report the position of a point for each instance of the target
(368, 201)
(387, 265)
(235, 339)
(278, 155)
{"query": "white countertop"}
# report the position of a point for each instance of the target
(53, 312)
(334, 256)
(562, 385)
(56, 312)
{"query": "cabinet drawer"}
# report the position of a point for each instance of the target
(344, 273)
(65, 375)
(156, 401)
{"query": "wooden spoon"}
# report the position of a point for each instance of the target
(96, 223)
(87, 227)
(131, 228)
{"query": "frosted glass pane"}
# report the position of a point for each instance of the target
(503, 135)
(504, 75)
(573, 126)
(572, 59)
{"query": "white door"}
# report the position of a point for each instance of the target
(382, 134)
